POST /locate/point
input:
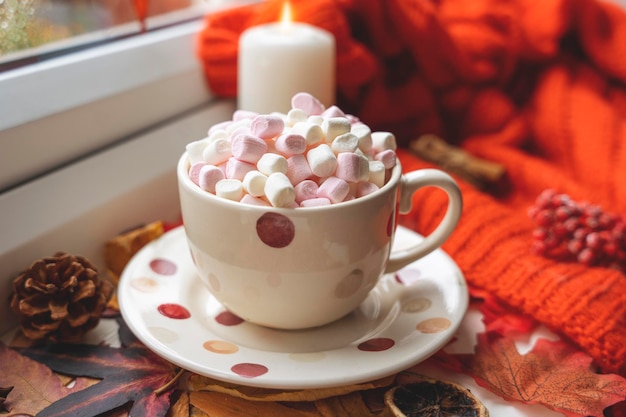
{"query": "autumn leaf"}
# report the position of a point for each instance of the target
(129, 374)
(553, 374)
(34, 386)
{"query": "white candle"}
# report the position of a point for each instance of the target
(278, 60)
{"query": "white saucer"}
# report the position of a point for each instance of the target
(407, 317)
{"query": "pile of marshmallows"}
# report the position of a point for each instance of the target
(312, 156)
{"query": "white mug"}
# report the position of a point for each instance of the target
(295, 268)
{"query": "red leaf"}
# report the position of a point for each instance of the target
(35, 386)
(129, 375)
(554, 374)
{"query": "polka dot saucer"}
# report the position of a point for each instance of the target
(405, 319)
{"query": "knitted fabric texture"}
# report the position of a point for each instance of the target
(538, 86)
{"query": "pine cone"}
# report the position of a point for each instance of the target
(59, 297)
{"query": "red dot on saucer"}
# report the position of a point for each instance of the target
(163, 266)
(174, 311)
(377, 344)
(249, 370)
(226, 318)
(275, 230)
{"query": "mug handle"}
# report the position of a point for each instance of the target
(410, 183)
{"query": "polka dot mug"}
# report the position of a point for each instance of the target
(304, 267)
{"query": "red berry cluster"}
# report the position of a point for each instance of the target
(571, 230)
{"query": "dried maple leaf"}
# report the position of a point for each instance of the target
(34, 385)
(129, 374)
(554, 374)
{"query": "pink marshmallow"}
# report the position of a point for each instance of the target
(194, 172)
(348, 167)
(255, 201)
(209, 176)
(298, 169)
(237, 169)
(333, 111)
(306, 102)
(306, 190)
(335, 189)
(267, 126)
(315, 202)
(248, 148)
(387, 157)
(365, 188)
(243, 114)
(290, 144)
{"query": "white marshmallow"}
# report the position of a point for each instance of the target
(364, 133)
(230, 189)
(334, 127)
(279, 191)
(316, 120)
(194, 150)
(217, 152)
(381, 141)
(296, 116)
(218, 134)
(347, 142)
(272, 162)
(322, 160)
(377, 173)
(254, 183)
(312, 133)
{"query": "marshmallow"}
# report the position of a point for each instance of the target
(315, 119)
(195, 149)
(290, 144)
(243, 114)
(322, 160)
(387, 157)
(209, 176)
(333, 188)
(237, 169)
(279, 191)
(267, 126)
(381, 141)
(306, 190)
(363, 132)
(296, 115)
(248, 148)
(306, 102)
(217, 152)
(298, 169)
(333, 111)
(230, 189)
(335, 126)
(349, 167)
(313, 133)
(347, 142)
(243, 123)
(219, 126)
(377, 173)
(194, 172)
(255, 201)
(315, 202)
(365, 188)
(218, 134)
(254, 183)
(272, 162)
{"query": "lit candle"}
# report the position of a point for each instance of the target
(278, 60)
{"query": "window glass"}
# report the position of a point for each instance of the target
(33, 30)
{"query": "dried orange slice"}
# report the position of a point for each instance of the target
(427, 397)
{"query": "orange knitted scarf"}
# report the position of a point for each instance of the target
(538, 86)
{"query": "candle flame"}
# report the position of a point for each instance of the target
(286, 16)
